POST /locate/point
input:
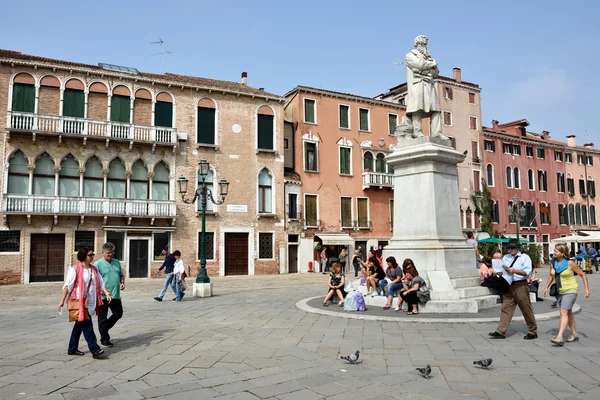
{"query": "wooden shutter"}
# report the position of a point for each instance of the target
(309, 111)
(447, 118)
(23, 98)
(344, 110)
(346, 210)
(311, 210)
(344, 160)
(73, 103)
(581, 186)
(475, 149)
(206, 125)
(163, 114)
(476, 181)
(265, 132)
(120, 108)
(472, 98)
(363, 215)
(364, 119)
(392, 122)
(473, 123)
(368, 161)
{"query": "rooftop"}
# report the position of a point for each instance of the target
(343, 95)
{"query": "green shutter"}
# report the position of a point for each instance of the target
(206, 125)
(309, 111)
(163, 114)
(364, 120)
(73, 103)
(368, 161)
(265, 132)
(23, 98)
(393, 121)
(344, 117)
(344, 160)
(120, 108)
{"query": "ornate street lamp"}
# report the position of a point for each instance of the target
(203, 193)
(517, 212)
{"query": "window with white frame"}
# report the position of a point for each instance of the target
(558, 155)
(265, 192)
(447, 118)
(43, 176)
(489, 145)
(265, 128)
(265, 245)
(311, 156)
(18, 174)
(490, 175)
(364, 119)
(362, 205)
(68, 184)
(380, 164)
(93, 179)
(517, 179)
(345, 160)
(560, 182)
(311, 210)
(541, 153)
(310, 111)
(344, 116)
(392, 123)
(209, 246)
(530, 180)
(346, 212)
(509, 177)
(529, 151)
(473, 123)
(368, 161)
(542, 182)
(569, 157)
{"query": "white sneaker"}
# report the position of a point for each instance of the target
(374, 294)
(397, 309)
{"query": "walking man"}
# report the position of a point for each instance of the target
(169, 265)
(114, 281)
(593, 253)
(517, 265)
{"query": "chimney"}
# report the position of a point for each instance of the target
(244, 78)
(456, 74)
(571, 142)
(589, 145)
(495, 124)
(545, 135)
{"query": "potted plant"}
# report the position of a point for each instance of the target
(534, 251)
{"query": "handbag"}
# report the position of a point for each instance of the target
(553, 292)
(182, 285)
(73, 306)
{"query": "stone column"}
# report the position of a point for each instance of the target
(427, 223)
(57, 169)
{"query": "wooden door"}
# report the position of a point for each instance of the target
(47, 260)
(236, 254)
(138, 258)
(292, 258)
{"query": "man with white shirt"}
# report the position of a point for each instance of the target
(518, 265)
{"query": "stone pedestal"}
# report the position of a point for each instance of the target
(202, 290)
(427, 226)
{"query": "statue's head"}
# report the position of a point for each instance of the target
(421, 41)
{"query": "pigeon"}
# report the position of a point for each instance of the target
(352, 358)
(425, 371)
(485, 363)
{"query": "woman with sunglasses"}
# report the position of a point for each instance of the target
(83, 281)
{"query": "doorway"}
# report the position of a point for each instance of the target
(47, 259)
(138, 258)
(236, 254)
(292, 258)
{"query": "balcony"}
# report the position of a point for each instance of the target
(85, 128)
(377, 179)
(20, 204)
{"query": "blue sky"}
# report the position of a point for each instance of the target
(532, 61)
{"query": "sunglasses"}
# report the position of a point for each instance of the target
(91, 255)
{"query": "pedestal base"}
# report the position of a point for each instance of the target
(202, 290)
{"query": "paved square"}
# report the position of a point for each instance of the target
(250, 341)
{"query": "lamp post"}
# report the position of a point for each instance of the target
(517, 212)
(203, 193)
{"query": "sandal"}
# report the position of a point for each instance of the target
(341, 304)
(573, 338)
(75, 353)
(325, 304)
(98, 354)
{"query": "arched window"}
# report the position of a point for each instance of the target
(138, 184)
(571, 213)
(511, 215)
(577, 214)
(593, 215)
(43, 176)
(163, 110)
(490, 175)
(160, 182)
(542, 183)
(509, 177)
(18, 174)
(73, 101)
(495, 212)
(368, 161)
(584, 215)
(530, 219)
(265, 191)
(591, 187)
(93, 180)
(517, 180)
(265, 128)
(210, 184)
(23, 94)
(530, 180)
(380, 163)
(563, 215)
(206, 122)
(544, 213)
(116, 180)
(68, 181)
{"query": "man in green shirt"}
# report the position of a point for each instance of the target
(114, 280)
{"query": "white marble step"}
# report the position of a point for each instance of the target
(470, 305)
(459, 283)
(463, 273)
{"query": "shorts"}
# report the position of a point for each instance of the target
(566, 301)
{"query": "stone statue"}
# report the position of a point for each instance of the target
(421, 98)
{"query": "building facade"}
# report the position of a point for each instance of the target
(460, 102)
(554, 182)
(339, 190)
(92, 153)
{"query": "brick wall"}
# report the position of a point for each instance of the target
(142, 112)
(97, 106)
(49, 101)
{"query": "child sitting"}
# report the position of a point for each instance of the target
(336, 285)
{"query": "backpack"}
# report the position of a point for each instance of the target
(360, 301)
(350, 303)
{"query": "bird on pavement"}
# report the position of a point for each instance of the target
(485, 363)
(352, 358)
(425, 371)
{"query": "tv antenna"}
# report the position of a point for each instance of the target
(162, 53)
(398, 63)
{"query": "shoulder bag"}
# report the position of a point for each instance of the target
(73, 305)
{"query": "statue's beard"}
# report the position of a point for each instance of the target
(423, 50)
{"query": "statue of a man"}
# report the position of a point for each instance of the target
(422, 100)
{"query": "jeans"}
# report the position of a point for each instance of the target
(394, 287)
(381, 286)
(87, 328)
(169, 280)
(356, 269)
(178, 292)
(104, 323)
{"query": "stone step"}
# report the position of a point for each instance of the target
(463, 273)
(459, 283)
(470, 305)
(474, 291)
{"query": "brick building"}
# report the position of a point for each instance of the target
(554, 181)
(460, 102)
(91, 154)
(338, 185)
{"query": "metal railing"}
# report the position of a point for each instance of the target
(363, 224)
(86, 127)
(57, 205)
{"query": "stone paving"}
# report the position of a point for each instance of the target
(250, 341)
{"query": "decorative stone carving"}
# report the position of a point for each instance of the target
(151, 175)
(57, 168)
(105, 172)
(128, 173)
(31, 167)
(81, 170)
